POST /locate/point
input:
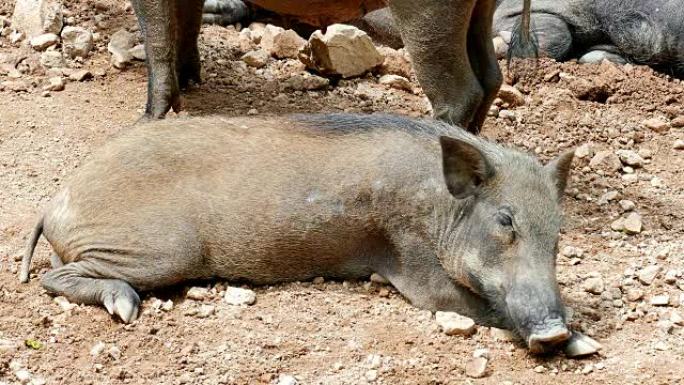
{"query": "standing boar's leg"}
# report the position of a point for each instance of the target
(189, 17)
(158, 24)
(80, 283)
(435, 33)
(483, 59)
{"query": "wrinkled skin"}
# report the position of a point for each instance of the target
(452, 221)
(643, 32)
(447, 39)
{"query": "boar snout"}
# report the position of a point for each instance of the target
(537, 313)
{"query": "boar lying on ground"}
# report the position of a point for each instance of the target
(454, 222)
(448, 40)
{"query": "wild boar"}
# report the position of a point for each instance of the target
(453, 221)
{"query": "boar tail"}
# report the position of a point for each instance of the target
(26, 260)
(523, 41)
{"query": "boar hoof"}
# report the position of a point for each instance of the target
(124, 304)
(545, 340)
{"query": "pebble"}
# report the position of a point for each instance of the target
(676, 318)
(502, 335)
(119, 45)
(605, 160)
(632, 223)
(671, 276)
(97, 349)
(678, 144)
(481, 353)
(205, 311)
(607, 197)
(588, 368)
(198, 293)
(572, 252)
(306, 82)
(594, 285)
(167, 306)
(138, 52)
(634, 295)
(114, 352)
(379, 279)
(661, 345)
(257, 59)
(581, 345)
(677, 122)
(318, 280)
(453, 323)
(507, 115)
(64, 303)
(7, 345)
(660, 300)
(539, 369)
(627, 205)
(80, 75)
(42, 42)
(583, 151)
(281, 43)
(76, 42)
(648, 274)
(239, 296)
(511, 95)
(54, 84)
(396, 81)
(51, 59)
(371, 375)
(15, 85)
(23, 376)
(476, 367)
(286, 379)
(656, 124)
(630, 158)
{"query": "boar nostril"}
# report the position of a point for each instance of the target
(544, 340)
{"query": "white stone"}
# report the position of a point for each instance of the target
(97, 349)
(257, 59)
(240, 296)
(286, 379)
(396, 81)
(23, 376)
(630, 158)
(35, 17)
(281, 43)
(343, 50)
(660, 300)
(76, 42)
(42, 42)
(453, 323)
(54, 84)
(648, 274)
(198, 293)
(476, 367)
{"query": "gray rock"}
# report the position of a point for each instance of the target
(630, 158)
(343, 50)
(76, 42)
(286, 379)
(627, 205)
(453, 323)
(51, 59)
(119, 45)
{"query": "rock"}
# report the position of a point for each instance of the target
(595, 89)
(306, 82)
(76, 42)
(507, 115)
(97, 349)
(205, 311)
(645, 153)
(500, 47)
(511, 95)
(656, 124)
(138, 52)
(395, 62)
(581, 345)
(23, 376)
(660, 300)
(286, 379)
(678, 144)
(607, 197)
(379, 279)
(239, 296)
(119, 45)
(80, 75)
(372, 375)
(343, 50)
(588, 368)
(167, 306)
(676, 318)
(114, 352)
(281, 43)
(594, 285)
(634, 295)
(618, 224)
(632, 224)
(627, 205)
(396, 81)
(42, 42)
(648, 274)
(630, 158)
(583, 151)
(198, 293)
(257, 58)
(8, 345)
(677, 122)
(661, 346)
(481, 353)
(35, 17)
(16, 36)
(55, 84)
(51, 59)
(605, 160)
(476, 367)
(256, 31)
(15, 85)
(455, 324)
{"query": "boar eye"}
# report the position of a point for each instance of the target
(504, 219)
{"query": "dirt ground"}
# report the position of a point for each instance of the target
(349, 332)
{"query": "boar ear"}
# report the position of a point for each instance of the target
(465, 167)
(559, 169)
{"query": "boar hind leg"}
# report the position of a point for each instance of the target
(483, 59)
(80, 283)
(435, 33)
(189, 16)
(158, 24)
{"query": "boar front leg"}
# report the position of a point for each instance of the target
(157, 20)
(435, 33)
